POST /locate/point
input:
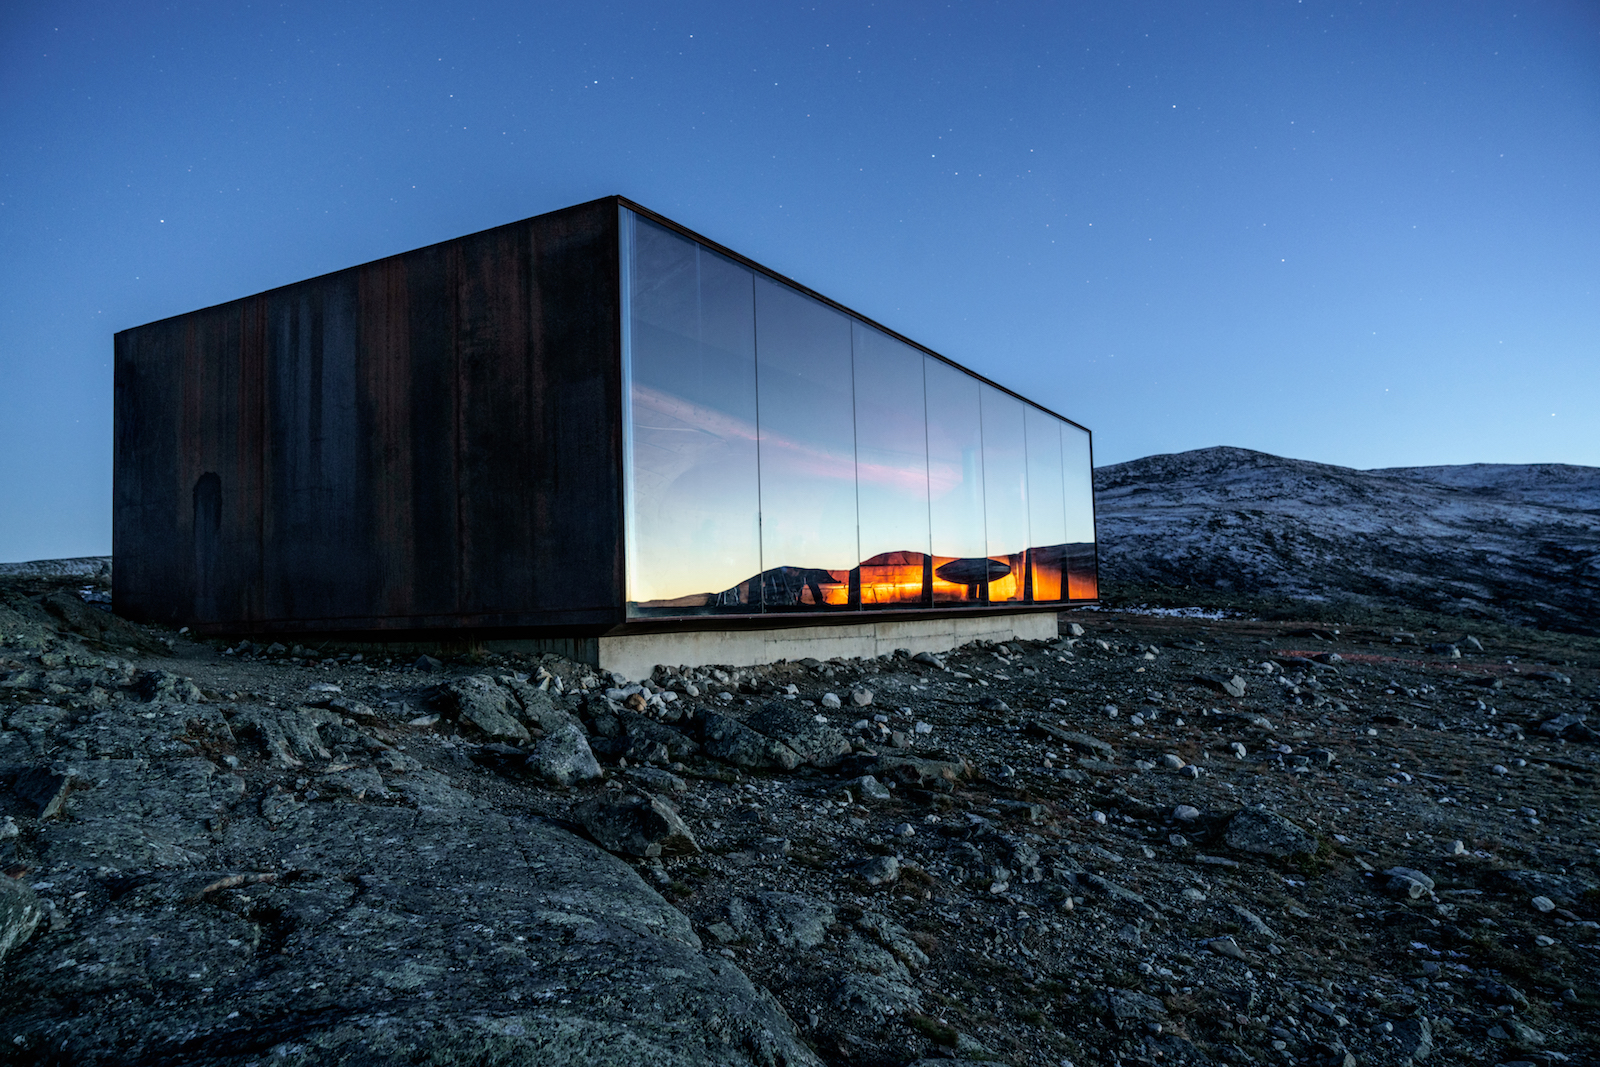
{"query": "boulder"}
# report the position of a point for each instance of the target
(804, 732)
(481, 703)
(562, 756)
(733, 742)
(19, 913)
(1266, 833)
(635, 825)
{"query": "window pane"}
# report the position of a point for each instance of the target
(1005, 490)
(1082, 581)
(807, 448)
(891, 471)
(1047, 518)
(693, 527)
(961, 569)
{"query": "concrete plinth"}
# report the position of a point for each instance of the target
(636, 655)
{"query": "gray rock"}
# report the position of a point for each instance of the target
(878, 983)
(831, 701)
(1570, 726)
(797, 727)
(356, 782)
(1233, 686)
(879, 870)
(867, 788)
(861, 697)
(19, 913)
(167, 687)
(1227, 946)
(1407, 882)
(1517, 1032)
(479, 702)
(642, 738)
(426, 664)
(1085, 743)
(1125, 1006)
(656, 780)
(930, 659)
(563, 756)
(786, 919)
(1267, 833)
(895, 938)
(876, 995)
(1413, 1037)
(287, 736)
(537, 707)
(635, 825)
(733, 742)
(47, 788)
(1252, 921)
(352, 961)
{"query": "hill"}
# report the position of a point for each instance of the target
(1512, 543)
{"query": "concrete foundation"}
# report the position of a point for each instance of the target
(636, 655)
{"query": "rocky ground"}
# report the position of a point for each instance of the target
(1158, 840)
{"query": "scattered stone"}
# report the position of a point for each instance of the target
(733, 742)
(1233, 686)
(426, 664)
(564, 757)
(1516, 1032)
(20, 913)
(1227, 946)
(656, 780)
(358, 783)
(879, 870)
(478, 701)
(1128, 1006)
(861, 697)
(867, 788)
(831, 701)
(167, 688)
(1252, 921)
(808, 736)
(1267, 833)
(786, 919)
(1413, 1037)
(635, 825)
(1543, 904)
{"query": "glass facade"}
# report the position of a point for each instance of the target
(783, 456)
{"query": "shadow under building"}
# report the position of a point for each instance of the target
(595, 432)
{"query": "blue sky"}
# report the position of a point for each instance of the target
(1364, 234)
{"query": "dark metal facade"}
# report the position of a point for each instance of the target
(425, 442)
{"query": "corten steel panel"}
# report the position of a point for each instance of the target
(430, 441)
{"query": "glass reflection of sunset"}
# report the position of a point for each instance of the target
(784, 456)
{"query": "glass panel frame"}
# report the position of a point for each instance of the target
(1047, 517)
(896, 569)
(692, 490)
(782, 455)
(805, 374)
(1005, 492)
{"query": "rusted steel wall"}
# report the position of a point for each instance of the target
(429, 441)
